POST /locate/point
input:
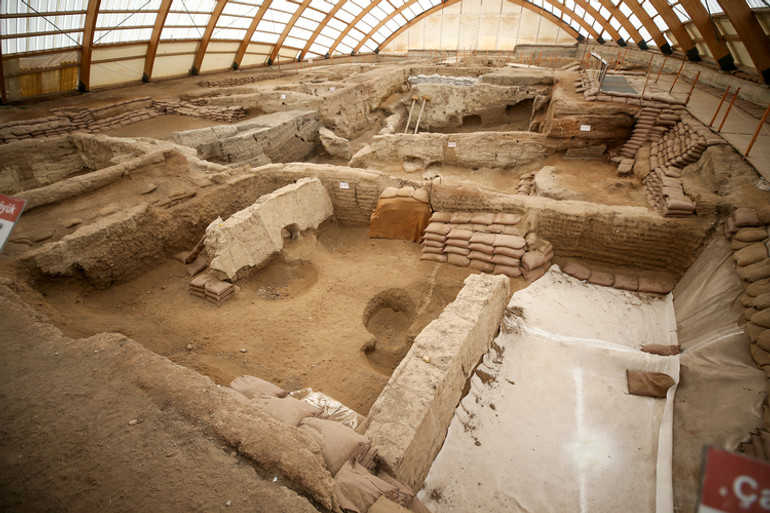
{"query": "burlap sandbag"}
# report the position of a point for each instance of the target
(485, 218)
(478, 255)
(511, 272)
(662, 349)
(736, 244)
(456, 233)
(759, 287)
(746, 217)
(458, 260)
(505, 218)
(482, 248)
(533, 260)
(577, 271)
(749, 313)
(509, 252)
(655, 285)
(761, 318)
(287, 409)
(432, 257)
(513, 230)
(434, 237)
(439, 250)
(509, 241)
(649, 384)
(479, 265)
(624, 282)
(252, 387)
(761, 302)
(755, 272)
(495, 228)
(763, 214)
(483, 238)
(458, 243)
(751, 234)
(601, 278)
(763, 340)
(506, 260)
(534, 274)
(753, 331)
(746, 300)
(461, 218)
(338, 442)
(441, 217)
(457, 251)
(438, 228)
(751, 254)
(356, 489)
(761, 356)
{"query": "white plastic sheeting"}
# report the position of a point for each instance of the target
(549, 425)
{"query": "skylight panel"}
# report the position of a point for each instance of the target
(556, 12)
(626, 10)
(264, 37)
(343, 49)
(300, 33)
(624, 34)
(294, 42)
(344, 15)
(229, 33)
(393, 25)
(605, 13)
(318, 49)
(615, 23)
(235, 22)
(336, 24)
(386, 7)
(370, 20)
(635, 21)
(312, 16)
(133, 34)
(660, 22)
(181, 33)
(350, 41)
(326, 40)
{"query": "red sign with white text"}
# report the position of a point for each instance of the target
(10, 210)
(734, 483)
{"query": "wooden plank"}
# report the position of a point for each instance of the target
(752, 36)
(250, 33)
(713, 40)
(152, 48)
(201, 52)
(87, 46)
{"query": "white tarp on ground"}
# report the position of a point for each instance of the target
(548, 425)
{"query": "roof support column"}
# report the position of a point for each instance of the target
(708, 31)
(152, 49)
(84, 84)
(201, 52)
(751, 34)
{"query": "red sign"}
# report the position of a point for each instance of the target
(734, 483)
(10, 210)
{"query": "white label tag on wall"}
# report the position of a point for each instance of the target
(283, 97)
(332, 88)
(452, 145)
(585, 128)
(344, 185)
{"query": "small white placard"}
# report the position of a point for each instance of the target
(452, 145)
(332, 88)
(344, 185)
(283, 97)
(585, 128)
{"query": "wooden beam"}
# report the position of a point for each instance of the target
(625, 22)
(708, 32)
(201, 52)
(614, 34)
(250, 33)
(352, 24)
(650, 25)
(288, 27)
(524, 3)
(86, 48)
(683, 38)
(152, 48)
(752, 36)
(320, 27)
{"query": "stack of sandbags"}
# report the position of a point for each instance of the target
(197, 286)
(749, 230)
(665, 193)
(683, 143)
(401, 213)
(525, 184)
(218, 292)
(649, 284)
(434, 241)
(535, 263)
(645, 121)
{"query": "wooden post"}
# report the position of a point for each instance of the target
(719, 106)
(646, 79)
(538, 59)
(756, 133)
(617, 61)
(676, 77)
(623, 59)
(697, 76)
(661, 68)
(729, 108)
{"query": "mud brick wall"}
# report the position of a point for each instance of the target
(250, 79)
(409, 420)
(24, 166)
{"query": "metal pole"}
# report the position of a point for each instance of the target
(417, 125)
(697, 76)
(729, 108)
(661, 68)
(756, 133)
(719, 106)
(676, 77)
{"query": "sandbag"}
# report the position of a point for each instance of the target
(534, 274)
(755, 272)
(478, 255)
(460, 218)
(623, 282)
(432, 257)
(495, 228)
(441, 217)
(389, 192)
(763, 214)
(746, 217)
(458, 243)
(509, 241)
(433, 244)
(286, 409)
(252, 387)
(761, 318)
(759, 287)
(761, 302)
(437, 250)
(509, 252)
(533, 260)
(456, 233)
(512, 230)
(505, 218)
(750, 254)
(407, 191)
(506, 260)
(760, 356)
(458, 260)
(577, 271)
(751, 234)
(485, 218)
(438, 228)
(434, 237)
(649, 384)
(511, 272)
(482, 248)
(357, 489)
(480, 265)
(662, 349)
(753, 331)
(421, 195)
(338, 442)
(763, 340)
(655, 285)
(456, 251)
(483, 238)
(601, 278)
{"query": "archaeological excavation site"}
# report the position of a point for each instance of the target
(388, 256)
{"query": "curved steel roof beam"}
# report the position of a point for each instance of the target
(713, 40)
(204, 44)
(250, 33)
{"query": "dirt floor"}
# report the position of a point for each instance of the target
(298, 322)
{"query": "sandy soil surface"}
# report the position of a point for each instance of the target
(298, 322)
